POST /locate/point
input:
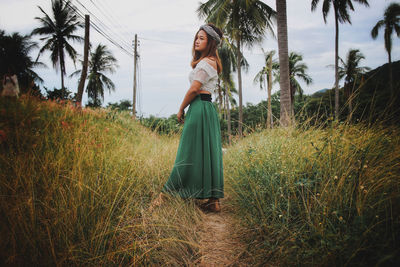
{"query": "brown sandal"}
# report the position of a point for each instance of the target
(212, 205)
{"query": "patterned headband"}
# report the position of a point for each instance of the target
(208, 29)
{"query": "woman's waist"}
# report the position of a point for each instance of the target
(205, 96)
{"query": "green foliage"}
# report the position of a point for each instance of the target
(255, 116)
(15, 50)
(321, 197)
(75, 186)
(58, 30)
(389, 24)
(101, 61)
(122, 105)
(372, 101)
(58, 94)
(165, 126)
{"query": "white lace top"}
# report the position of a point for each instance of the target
(206, 74)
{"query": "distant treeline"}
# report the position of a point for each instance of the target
(372, 103)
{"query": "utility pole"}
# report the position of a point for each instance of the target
(85, 62)
(134, 79)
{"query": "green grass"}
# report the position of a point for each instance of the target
(75, 187)
(322, 197)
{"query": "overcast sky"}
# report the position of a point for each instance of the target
(166, 29)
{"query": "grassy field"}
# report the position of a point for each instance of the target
(318, 197)
(75, 187)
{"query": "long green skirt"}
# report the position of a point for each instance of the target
(197, 172)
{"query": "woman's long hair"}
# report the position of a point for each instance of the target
(210, 51)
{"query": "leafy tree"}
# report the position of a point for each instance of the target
(59, 94)
(227, 53)
(163, 125)
(58, 31)
(15, 50)
(351, 71)
(101, 61)
(122, 105)
(265, 76)
(297, 70)
(390, 23)
(371, 104)
(245, 22)
(341, 12)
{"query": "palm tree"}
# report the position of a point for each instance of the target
(265, 76)
(391, 22)
(341, 11)
(297, 70)
(245, 21)
(285, 119)
(227, 53)
(58, 31)
(101, 61)
(351, 71)
(15, 58)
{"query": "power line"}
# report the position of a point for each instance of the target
(111, 16)
(123, 41)
(97, 28)
(112, 19)
(161, 41)
(116, 33)
(105, 33)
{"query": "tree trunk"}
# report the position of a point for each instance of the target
(269, 115)
(61, 58)
(224, 104)
(292, 92)
(62, 77)
(349, 94)
(85, 62)
(229, 116)
(336, 65)
(266, 86)
(283, 63)
(390, 75)
(239, 70)
(220, 96)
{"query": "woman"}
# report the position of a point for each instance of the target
(197, 172)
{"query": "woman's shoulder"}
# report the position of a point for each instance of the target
(210, 61)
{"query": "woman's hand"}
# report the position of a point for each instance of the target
(193, 91)
(181, 116)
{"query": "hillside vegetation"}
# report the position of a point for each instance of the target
(76, 185)
(324, 197)
(372, 104)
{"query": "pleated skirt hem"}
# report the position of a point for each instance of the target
(198, 170)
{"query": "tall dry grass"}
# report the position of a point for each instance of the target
(75, 186)
(318, 196)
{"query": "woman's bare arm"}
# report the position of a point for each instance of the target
(193, 91)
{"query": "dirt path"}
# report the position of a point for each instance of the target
(219, 244)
